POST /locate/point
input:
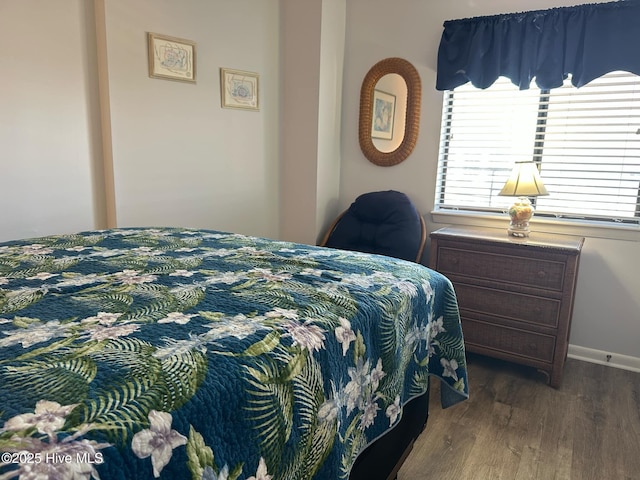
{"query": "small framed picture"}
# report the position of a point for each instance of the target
(239, 89)
(384, 110)
(172, 58)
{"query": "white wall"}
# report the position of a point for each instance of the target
(47, 128)
(330, 112)
(607, 308)
(179, 158)
(313, 35)
(301, 47)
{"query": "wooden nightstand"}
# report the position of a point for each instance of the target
(515, 294)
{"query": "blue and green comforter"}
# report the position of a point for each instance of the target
(177, 353)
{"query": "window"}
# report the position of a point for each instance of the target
(586, 142)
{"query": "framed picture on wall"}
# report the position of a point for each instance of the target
(172, 58)
(384, 110)
(239, 89)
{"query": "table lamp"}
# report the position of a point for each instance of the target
(524, 182)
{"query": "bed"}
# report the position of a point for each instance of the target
(180, 353)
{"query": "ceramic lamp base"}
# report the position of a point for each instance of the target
(520, 213)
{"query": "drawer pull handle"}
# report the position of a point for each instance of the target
(542, 274)
(454, 260)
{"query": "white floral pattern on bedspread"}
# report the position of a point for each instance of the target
(178, 353)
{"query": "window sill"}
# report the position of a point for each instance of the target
(582, 228)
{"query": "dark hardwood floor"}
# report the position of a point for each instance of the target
(515, 427)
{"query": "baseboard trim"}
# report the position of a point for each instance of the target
(616, 360)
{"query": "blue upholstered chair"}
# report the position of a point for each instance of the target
(386, 223)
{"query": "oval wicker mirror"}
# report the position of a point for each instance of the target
(412, 121)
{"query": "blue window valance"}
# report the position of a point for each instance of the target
(585, 41)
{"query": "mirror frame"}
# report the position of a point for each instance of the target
(412, 121)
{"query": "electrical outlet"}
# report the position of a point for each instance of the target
(608, 357)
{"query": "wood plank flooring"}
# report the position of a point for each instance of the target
(515, 427)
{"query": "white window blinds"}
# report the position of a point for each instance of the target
(586, 142)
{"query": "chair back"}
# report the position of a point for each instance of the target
(386, 223)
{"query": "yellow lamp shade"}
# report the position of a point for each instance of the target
(524, 182)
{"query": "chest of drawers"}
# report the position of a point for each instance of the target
(515, 294)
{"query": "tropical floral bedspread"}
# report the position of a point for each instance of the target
(177, 353)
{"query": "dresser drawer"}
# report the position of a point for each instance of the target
(515, 295)
(534, 272)
(508, 340)
(509, 305)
